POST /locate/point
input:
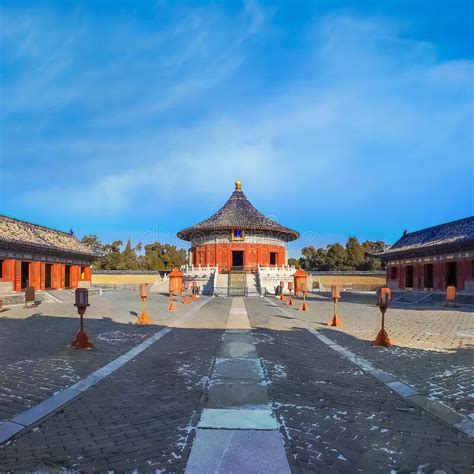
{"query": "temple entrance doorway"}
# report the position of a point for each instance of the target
(273, 258)
(409, 276)
(429, 276)
(237, 259)
(25, 274)
(47, 275)
(451, 274)
(67, 276)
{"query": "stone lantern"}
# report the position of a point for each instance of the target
(176, 282)
(301, 281)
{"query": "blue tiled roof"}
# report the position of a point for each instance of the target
(449, 237)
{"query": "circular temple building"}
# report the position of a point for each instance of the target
(238, 237)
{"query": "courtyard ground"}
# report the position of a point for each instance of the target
(306, 395)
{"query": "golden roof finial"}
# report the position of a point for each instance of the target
(238, 186)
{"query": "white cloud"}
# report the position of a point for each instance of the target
(369, 118)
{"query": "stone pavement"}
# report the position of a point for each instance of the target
(433, 346)
(140, 417)
(335, 417)
(331, 415)
(35, 353)
(237, 431)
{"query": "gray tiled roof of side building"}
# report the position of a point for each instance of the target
(452, 236)
(15, 232)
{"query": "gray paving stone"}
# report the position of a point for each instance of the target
(402, 388)
(238, 369)
(46, 407)
(238, 349)
(237, 452)
(382, 376)
(236, 394)
(438, 409)
(238, 419)
(9, 429)
(242, 336)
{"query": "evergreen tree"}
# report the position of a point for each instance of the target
(129, 258)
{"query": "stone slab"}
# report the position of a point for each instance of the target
(238, 349)
(438, 409)
(238, 336)
(9, 429)
(466, 426)
(402, 388)
(382, 376)
(46, 407)
(236, 452)
(240, 394)
(238, 369)
(237, 419)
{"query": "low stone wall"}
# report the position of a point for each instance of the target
(116, 277)
(358, 281)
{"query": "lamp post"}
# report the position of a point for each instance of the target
(186, 297)
(282, 287)
(144, 317)
(81, 303)
(290, 289)
(384, 295)
(304, 289)
(335, 321)
(450, 296)
(171, 305)
(300, 277)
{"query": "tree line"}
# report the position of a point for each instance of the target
(155, 256)
(353, 256)
(159, 257)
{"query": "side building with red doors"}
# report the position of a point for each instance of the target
(434, 258)
(44, 258)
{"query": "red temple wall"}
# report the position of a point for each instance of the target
(11, 272)
(464, 274)
(221, 254)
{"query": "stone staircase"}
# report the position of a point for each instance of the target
(411, 297)
(252, 284)
(237, 284)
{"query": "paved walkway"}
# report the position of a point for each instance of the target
(301, 405)
(237, 431)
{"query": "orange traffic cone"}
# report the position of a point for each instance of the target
(186, 298)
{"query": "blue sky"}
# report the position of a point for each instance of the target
(135, 118)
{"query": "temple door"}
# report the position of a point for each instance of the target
(42, 276)
(17, 280)
(34, 277)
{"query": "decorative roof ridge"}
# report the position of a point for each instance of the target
(437, 226)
